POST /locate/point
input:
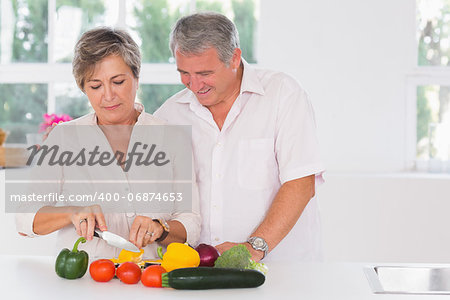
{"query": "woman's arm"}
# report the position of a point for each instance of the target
(85, 218)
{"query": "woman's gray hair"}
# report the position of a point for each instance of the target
(98, 43)
(198, 32)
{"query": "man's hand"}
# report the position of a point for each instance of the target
(256, 255)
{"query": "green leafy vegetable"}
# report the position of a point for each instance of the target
(238, 257)
(258, 267)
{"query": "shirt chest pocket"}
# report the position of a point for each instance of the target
(257, 167)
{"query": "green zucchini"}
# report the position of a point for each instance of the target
(203, 278)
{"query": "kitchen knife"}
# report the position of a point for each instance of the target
(115, 240)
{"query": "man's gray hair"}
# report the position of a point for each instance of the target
(198, 32)
(98, 43)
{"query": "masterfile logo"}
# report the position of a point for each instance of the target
(122, 168)
(140, 154)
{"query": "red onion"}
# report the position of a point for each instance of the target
(208, 255)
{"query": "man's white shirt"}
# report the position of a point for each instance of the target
(268, 138)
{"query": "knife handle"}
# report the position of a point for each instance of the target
(97, 234)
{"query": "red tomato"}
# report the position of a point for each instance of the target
(152, 276)
(129, 273)
(102, 270)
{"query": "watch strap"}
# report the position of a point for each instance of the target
(165, 230)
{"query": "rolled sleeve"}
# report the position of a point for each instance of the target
(314, 169)
(24, 224)
(297, 147)
(192, 225)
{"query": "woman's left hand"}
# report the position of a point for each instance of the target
(144, 231)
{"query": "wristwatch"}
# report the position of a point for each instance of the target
(258, 243)
(166, 229)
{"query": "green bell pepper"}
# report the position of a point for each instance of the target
(72, 264)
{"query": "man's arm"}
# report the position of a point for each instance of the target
(286, 208)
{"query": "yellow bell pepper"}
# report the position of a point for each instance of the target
(126, 255)
(178, 256)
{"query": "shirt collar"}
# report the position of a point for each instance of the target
(250, 83)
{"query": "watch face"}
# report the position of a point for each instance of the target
(258, 243)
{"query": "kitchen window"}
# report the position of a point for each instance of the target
(429, 89)
(36, 48)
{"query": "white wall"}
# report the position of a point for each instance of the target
(353, 58)
(395, 218)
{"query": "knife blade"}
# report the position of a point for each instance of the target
(115, 240)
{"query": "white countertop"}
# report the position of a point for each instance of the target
(33, 277)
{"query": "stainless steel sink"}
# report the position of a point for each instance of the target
(409, 279)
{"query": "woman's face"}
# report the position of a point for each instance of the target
(111, 91)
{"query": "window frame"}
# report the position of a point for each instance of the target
(53, 72)
(419, 76)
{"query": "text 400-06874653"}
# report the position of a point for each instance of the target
(102, 197)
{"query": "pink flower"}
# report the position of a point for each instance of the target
(49, 120)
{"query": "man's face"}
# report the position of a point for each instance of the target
(211, 80)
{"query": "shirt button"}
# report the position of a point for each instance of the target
(216, 239)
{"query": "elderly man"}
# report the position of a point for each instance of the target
(255, 147)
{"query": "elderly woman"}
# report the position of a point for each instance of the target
(106, 67)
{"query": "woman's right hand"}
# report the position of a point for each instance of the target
(86, 218)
